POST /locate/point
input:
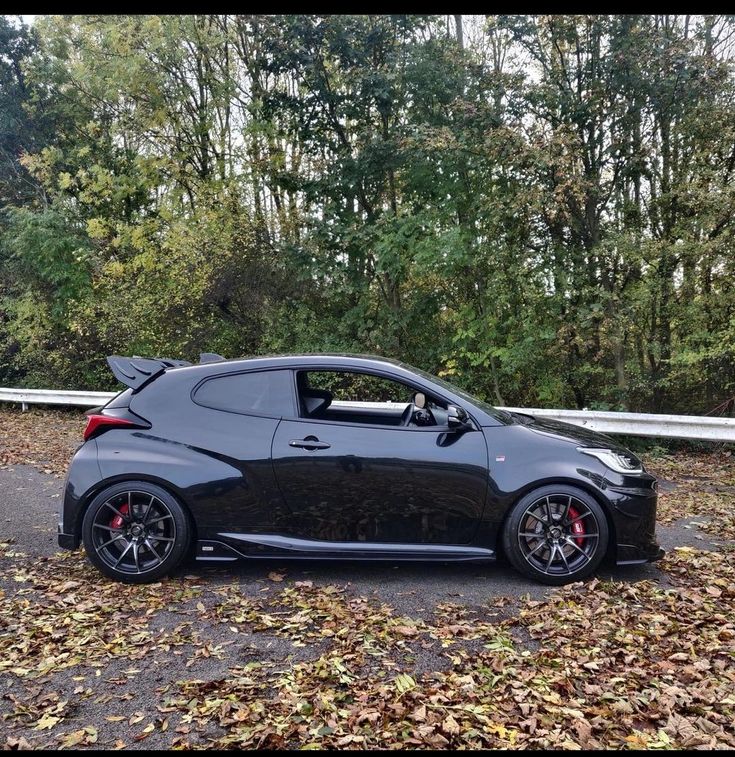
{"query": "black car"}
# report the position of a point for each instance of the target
(342, 456)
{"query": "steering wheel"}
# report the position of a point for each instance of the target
(407, 414)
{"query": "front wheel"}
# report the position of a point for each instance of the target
(556, 534)
(135, 532)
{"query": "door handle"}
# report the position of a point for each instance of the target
(311, 443)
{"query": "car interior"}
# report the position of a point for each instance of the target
(346, 402)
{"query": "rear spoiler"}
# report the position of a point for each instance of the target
(136, 371)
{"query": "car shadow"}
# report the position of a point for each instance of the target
(434, 579)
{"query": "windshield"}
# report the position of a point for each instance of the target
(493, 412)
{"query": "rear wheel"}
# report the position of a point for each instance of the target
(556, 534)
(135, 532)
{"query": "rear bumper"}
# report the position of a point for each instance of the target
(66, 541)
(83, 475)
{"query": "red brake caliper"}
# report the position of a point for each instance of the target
(577, 526)
(117, 521)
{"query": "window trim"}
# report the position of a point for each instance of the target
(379, 374)
(255, 414)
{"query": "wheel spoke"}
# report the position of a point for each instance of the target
(126, 518)
(157, 520)
(135, 556)
(581, 551)
(564, 557)
(161, 538)
(150, 546)
(579, 517)
(148, 511)
(585, 536)
(122, 554)
(532, 535)
(549, 514)
(536, 548)
(540, 520)
(566, 509)
(102, 546)
(106, 528)
(552, 552)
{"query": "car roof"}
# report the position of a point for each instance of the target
(333, 359)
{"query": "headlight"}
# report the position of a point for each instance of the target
(617, 461)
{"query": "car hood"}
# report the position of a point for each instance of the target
(569, 432)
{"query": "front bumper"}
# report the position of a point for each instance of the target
(634, 499)
(630, 554)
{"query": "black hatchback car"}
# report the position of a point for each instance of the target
(342, 456)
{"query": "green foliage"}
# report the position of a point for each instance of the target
(543, 214)
(51, 256)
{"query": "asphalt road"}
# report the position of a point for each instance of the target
(30, 500)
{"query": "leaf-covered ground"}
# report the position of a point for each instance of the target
(208, 659)
(44, 438)
(705, 488)
(602, 664)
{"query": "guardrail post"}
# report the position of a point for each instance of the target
(23, 406)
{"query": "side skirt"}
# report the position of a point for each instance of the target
(271, 546)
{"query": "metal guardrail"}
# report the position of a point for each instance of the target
(642, 424)
(55, 397)
(633, 424)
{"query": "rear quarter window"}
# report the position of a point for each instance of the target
(257, 393)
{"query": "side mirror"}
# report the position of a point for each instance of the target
(457, 418)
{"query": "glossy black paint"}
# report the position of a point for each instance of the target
(375, 492)
(380, 484)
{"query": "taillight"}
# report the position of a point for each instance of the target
(96, 423)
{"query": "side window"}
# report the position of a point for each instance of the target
(261, 392)
(354, 397)
(357, 387)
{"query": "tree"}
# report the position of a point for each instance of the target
(538, 207)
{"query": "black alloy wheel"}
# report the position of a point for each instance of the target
(135, 532)
(556, 534)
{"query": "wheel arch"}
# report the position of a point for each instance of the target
(586, 487)
(93, 491)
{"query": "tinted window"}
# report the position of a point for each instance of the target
(263, 392)
(357, 387)
(494, 412)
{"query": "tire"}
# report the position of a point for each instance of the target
(567, 548)
(136, 532)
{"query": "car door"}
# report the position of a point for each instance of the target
(351, 482)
